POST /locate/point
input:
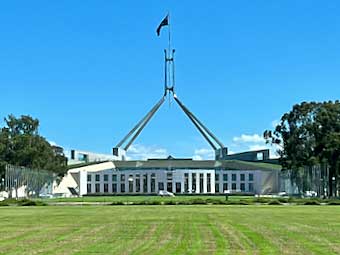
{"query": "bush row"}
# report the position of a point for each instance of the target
(21, 202)
(199, 201)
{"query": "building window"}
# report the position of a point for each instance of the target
(233, 177)
(225, 187)
(97, 178)
(251, 177)
(217, 177)
(169, 187)
(217, 187)
(89, 188)
(106, 177)
(193, 185)
(122, 187)
(137, 183)
(178, 187)
(153, 183)
(145, 183)
(114, 187)
(243, 187)
(186, 182)
(201, 183)
(169, 176)
(97, 188)
(89, 178)
(114, 178)
(122, 178)
(225, 177)
(251, 187)
(242, 177)
(233, 186)
(160, 186)
(106, 188)
(130, 183)
(209, 183)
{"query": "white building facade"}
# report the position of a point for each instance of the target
(174, 175)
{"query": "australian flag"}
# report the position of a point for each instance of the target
(165, 22)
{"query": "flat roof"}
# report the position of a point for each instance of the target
(194, 164)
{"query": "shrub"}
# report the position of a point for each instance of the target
(334, 202)
(170, 202)
(118, 203)
(311, 202)
(274, 202)
(198, 201)
(153, 202)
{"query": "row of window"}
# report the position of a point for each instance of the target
(169, 177)
(234, 177)
(234, 187)
(114, 187)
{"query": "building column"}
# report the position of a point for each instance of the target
(205, 181)
(182, 183)
(197, 183)
(212, 182)
(190, 182)
(149, 182)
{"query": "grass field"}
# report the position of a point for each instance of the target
(170, 230)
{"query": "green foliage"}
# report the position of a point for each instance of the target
(274, 202)
(22, 202)
(21, 145)
(308, 135)
(311, 202)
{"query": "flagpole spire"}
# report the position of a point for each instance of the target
(169, 66)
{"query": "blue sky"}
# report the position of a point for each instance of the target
(89, 70)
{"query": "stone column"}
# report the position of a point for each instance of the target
(205, 181)
(190, 182)
(149, 182)
(198, 183)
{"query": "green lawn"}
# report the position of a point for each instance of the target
(170, 230)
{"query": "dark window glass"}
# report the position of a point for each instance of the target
(225, 177)
(217, 187)
(106, 178)
(251, 177)
(233, 186)
(97, 178)
(217, 177)
(106, 187)
(153, 182)
(208, 182)
(233, 177)
(242, 177)
(89, 188)
(160, 186)
(114, 178)
(88, 177)
(122, 187)
(243, 187)
(250, 187)
(225, 186)
(114, 187)
(97, 187)
(201, 183)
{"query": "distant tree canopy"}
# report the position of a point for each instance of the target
(309, 134)
(21, 145)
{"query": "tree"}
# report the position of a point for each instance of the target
(308, 135)
(21, 144)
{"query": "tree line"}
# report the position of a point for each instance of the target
(308, 135)
(22, 145)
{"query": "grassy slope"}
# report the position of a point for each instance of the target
(170, 230)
